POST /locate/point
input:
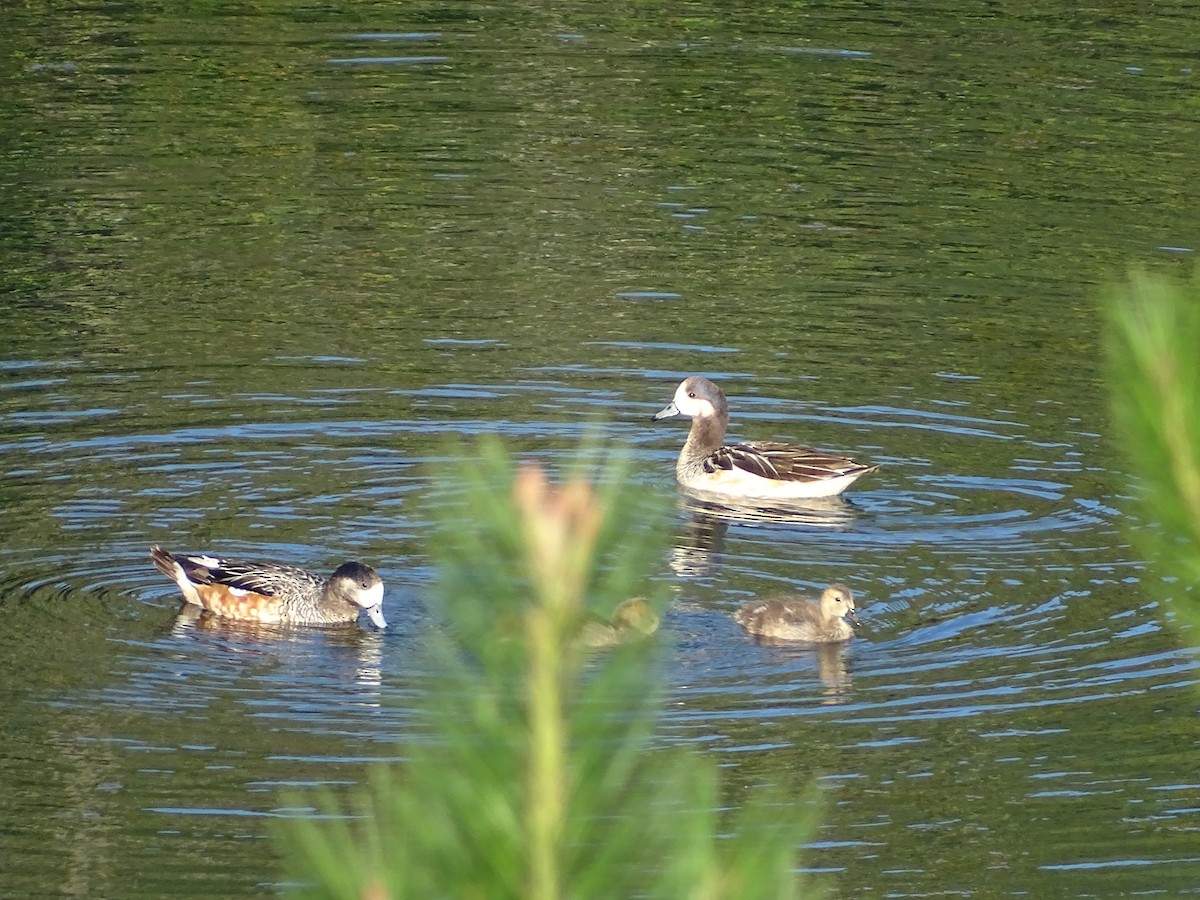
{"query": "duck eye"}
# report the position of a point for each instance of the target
(692, 394)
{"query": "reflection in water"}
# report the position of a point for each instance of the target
(825, 512)
(834, 670)
(699, 547)
(833, 663)
(234, 636)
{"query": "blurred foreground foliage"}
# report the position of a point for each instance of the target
(533, 776)
(1154, 358)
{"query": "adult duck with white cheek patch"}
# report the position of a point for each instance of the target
(750, 471)
(274, 594)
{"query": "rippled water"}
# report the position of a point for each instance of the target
(1010, 671)
(263, 272)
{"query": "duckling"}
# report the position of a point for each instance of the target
(764, 470)
(801, 618)
(633, 619)
(274, 594)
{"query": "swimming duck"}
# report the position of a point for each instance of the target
(633, 619)
(765, 471)
(802, 619)
(273, 594)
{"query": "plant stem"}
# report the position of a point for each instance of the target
(547, 752)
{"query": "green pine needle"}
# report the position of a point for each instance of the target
(1154, 355)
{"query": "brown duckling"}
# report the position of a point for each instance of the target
(822, 621)
(633, 619)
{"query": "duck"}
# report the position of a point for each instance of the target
(751, 471)
(272, 594)
(633, 619)
(822, 621)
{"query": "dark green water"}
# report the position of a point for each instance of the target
(252, 281)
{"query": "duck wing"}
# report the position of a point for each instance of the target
(268, 579)
(778, 614)
(783, 462)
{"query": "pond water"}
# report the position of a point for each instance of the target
(261, 262)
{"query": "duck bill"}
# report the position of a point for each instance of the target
(375, 614)
(669, 413)
(853, 617)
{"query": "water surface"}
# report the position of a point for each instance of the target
(261, 265)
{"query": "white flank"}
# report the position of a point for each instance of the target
(739, 483)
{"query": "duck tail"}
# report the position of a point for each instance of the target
(748, 616)
(164, 562)
(167, 564)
